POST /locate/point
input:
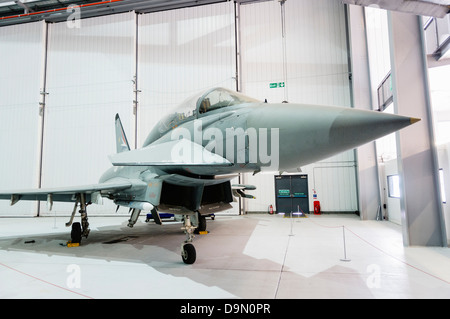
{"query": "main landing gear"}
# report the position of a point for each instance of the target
(79, 230)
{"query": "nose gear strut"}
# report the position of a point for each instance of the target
(188, 253)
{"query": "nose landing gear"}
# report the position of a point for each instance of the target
(188, 253)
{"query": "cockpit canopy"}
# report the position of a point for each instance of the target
(197, 106)
(218, 98)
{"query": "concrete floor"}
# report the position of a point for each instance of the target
(251, 256)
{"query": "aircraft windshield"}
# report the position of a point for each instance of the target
(201, 103)
(219, 98)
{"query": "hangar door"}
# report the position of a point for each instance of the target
(299, 54)
(20, 63)
(291, 193)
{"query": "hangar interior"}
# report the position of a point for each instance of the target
(66, 73)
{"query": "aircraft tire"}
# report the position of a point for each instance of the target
(75, 234)
(201, 223)
(188, 254)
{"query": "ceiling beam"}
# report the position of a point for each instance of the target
(432, 8)
(24, 6)
(59, 13)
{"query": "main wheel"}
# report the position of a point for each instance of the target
(75, 234)
(188, 254)
(201, 223)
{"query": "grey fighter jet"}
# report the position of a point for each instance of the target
(188, 160)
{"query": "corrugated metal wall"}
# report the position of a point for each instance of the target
(261, 53)
(90, 74)
(315, 71)
(89, 80)
(90, 77)
(182, 52)
(20, 77)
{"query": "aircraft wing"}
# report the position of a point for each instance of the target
(172, 153)
(66, 194)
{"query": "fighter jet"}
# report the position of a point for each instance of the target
(186, 164)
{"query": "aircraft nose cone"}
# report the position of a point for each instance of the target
(414, 120)
(310, 133)
(353, 127)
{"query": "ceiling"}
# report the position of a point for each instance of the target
(23, 11)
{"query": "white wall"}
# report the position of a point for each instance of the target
(393, 209)
(182, 52)
(261, 50)
(20, 77)
(316, 73)
(89, 80)
(90, 75)
(380, 66)
(440, 98)
(334, 181)
(378, 47)
(317, 56)
(444, 164)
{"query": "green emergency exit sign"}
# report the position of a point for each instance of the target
(284, 192)
(275, 85)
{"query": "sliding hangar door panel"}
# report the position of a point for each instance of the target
(299, 54)
(100, 67)
(182, 53)
(140, 66)
(21, 59)
(261, 50)
(89, 80)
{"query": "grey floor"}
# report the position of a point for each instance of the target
(251, 256)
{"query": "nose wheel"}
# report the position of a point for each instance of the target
(188, 253)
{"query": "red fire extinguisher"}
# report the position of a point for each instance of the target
(316, 203)
(271, 209)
